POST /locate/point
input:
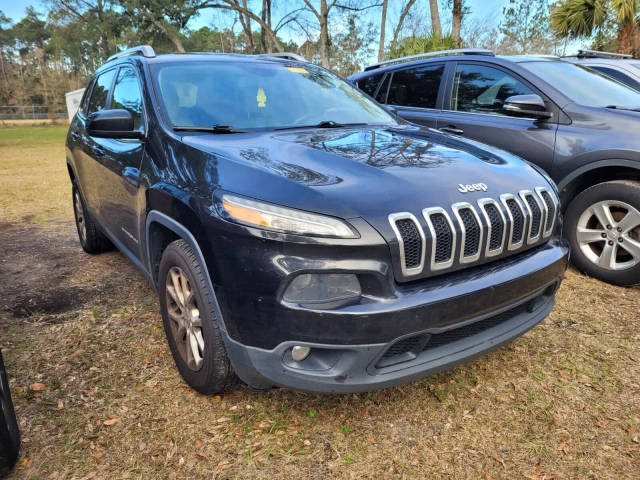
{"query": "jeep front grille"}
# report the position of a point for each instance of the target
(474, 232)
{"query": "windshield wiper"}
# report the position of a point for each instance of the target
(217, 129)
(324, 124)
(618, 107)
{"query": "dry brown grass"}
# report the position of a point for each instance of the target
(563, 400)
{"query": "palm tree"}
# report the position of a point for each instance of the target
(583, 18)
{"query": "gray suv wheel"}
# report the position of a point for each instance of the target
(603, 226)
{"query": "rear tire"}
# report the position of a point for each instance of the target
(91, 238)
(603, 226)
(9, 433)
(190, 322)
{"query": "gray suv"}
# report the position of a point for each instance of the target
(576, 124)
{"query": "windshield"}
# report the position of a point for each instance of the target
(252, 95)
(584, 86)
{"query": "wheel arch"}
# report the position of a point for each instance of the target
(171, 216)
(594, 173)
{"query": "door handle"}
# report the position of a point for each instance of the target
(452, 129)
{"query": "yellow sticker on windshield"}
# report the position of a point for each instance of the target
(262, 98)
(297, 70)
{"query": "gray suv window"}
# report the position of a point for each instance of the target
(100, 93)
(370, 84)
(482, 89)
(127, 95)
(617, 75)
(416, 87)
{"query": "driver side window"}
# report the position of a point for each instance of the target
(100, 92)
(483, 89)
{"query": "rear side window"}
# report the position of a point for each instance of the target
(617, 75)
(482, 89)
(127, 95)
(370, 84)
(100, 93)
(416, 87)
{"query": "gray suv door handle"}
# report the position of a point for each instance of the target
(452, 129)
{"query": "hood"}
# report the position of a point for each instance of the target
(363, 172)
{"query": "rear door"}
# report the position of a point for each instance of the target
(415, 93)
(473, 109)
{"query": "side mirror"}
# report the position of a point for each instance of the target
(526, 106)
(112, 124)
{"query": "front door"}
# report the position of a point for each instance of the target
(119, 162)
(473, 109)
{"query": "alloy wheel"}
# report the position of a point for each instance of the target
(184, 315)
(79, 211)
(608, 234)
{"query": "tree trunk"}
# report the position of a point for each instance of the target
(626, 38)
(324, 33)
(175, 39)
(245, 21)
(398, 29)
(5, 77)
(436, 29)
(456, 21)
(383, 21)
(263, 38)
(104, 44)
(235, 6)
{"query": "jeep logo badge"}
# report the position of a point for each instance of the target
(472, 188)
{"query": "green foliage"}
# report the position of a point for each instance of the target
(349, 49)
(415, 45)
(525, 27)
(579, 18)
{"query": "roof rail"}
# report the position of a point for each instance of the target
(419, 56)
(599, 54)
(144, 50)
(286, 55)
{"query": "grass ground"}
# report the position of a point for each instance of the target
(563, 401)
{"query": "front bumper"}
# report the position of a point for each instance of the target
(429, 327)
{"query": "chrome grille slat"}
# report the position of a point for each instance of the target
(535, 218)
(435, 212)
(514, 242)
(485, 205)
(469, 246)
(397, 217)
(486, 229)
(551, 206)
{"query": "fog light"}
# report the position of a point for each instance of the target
(299, 353)
(323, 288)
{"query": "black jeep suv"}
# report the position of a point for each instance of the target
(577, 124)
(298, 234)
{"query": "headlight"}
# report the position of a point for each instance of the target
(323, 289)
(282, 219)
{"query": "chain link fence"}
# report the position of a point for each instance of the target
(30, 112)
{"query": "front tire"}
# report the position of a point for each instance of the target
(190, 322)
(603, 226)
